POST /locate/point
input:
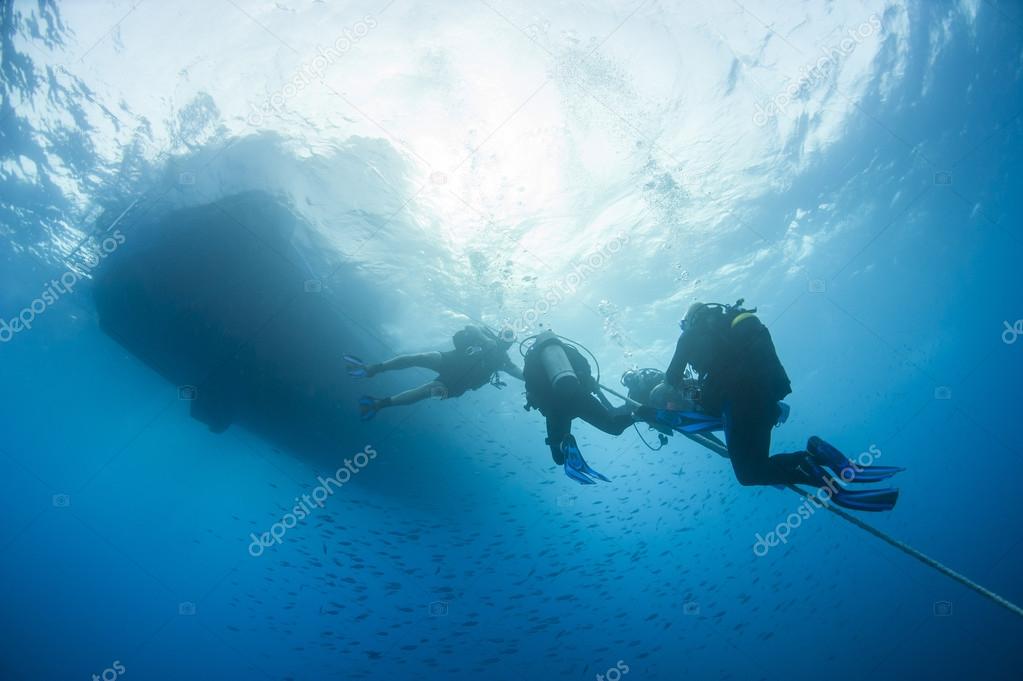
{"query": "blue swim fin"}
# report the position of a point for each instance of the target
(368, 407)
(867, 499)
(828, 455)
(575, 465)
(356, 367)
(688, 421)
(577, 476)
(856, 500)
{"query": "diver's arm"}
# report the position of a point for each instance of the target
(512, 370)
(602, 398)
(677, 369)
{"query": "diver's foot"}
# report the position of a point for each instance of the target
(357, 368)
(369, 407)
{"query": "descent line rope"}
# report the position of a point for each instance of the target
(940, 567)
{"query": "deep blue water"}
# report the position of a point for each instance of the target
(588, 167)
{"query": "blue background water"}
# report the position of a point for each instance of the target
(464, 161)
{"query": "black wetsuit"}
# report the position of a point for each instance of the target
(559, 412)
(647, 380)
(743, 380)
(461, 370)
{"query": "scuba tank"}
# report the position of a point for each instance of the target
(743, 356)
(556, 365)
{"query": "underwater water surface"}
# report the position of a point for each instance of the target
(205, 205)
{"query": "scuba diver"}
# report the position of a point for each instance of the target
(665, 408)
(561, 386)
(742, 380)
(640, 383)
(478, 356)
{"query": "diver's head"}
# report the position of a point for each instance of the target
(630, 378)
(506, 338)
(693, 313)
(696, 317)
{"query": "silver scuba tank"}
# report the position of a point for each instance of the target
(556, 365)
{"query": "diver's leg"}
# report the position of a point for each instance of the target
(370, 406)
(425, 360)
(558, 426)
(595, 414)
(431, 389)
(748, 433)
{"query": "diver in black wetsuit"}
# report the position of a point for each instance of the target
(478, 356)
(561, 386)
(742, 380)
(641, 382)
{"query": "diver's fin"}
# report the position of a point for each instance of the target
(867, 499)
(828, 455)
(698, 416)
(356, 367)
(688, 422)
(585, 469)
(876, 473)
(577, 476)
(575, 465)
(368, 407)
(857, 500)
